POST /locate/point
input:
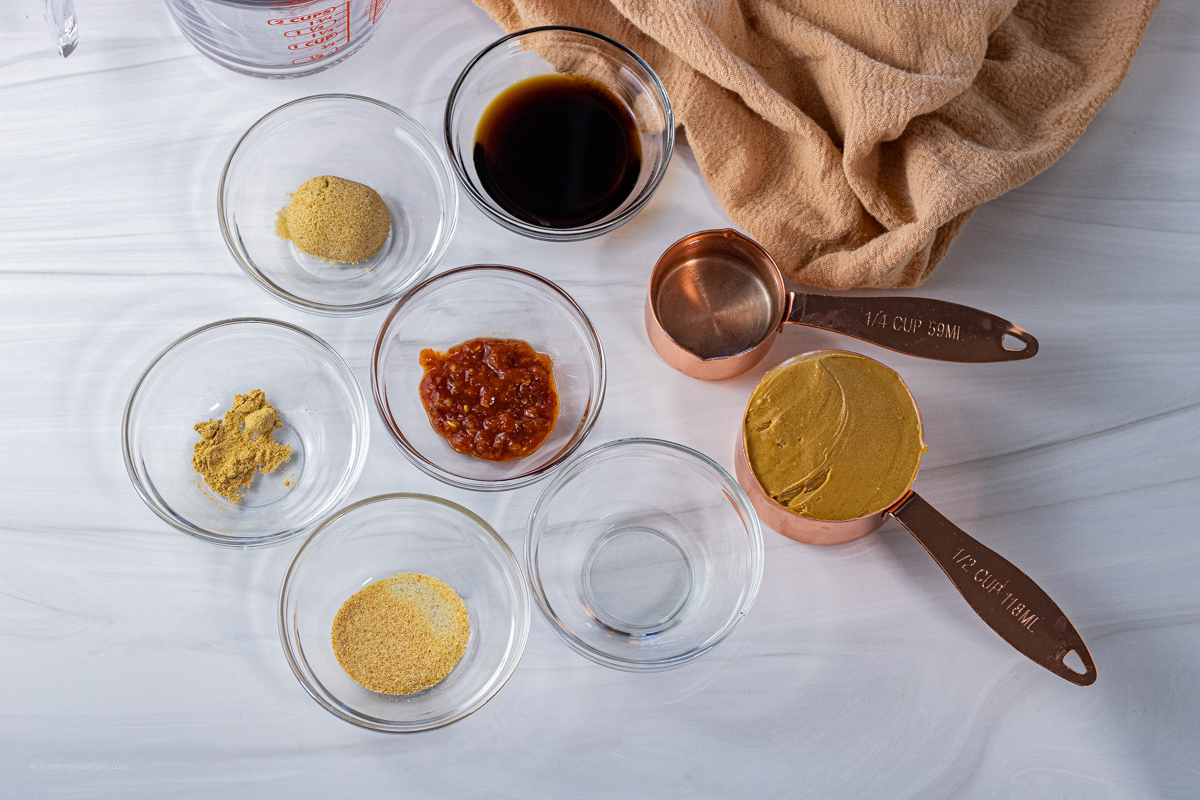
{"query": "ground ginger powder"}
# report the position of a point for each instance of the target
(402, 634)
(335, 219)
(233, 449)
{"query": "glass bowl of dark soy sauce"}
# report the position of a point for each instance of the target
(559, 133)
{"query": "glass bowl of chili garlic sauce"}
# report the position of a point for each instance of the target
(475, 432)
(494, 399)
(559, 133)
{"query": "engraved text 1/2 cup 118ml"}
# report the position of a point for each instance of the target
(1002, 595)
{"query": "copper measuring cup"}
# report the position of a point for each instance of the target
(717, 301)
(1002, 595)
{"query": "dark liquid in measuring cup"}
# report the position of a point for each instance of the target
(558, 151)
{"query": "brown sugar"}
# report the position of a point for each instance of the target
(335, 219)
(402, 634)
(231, 450)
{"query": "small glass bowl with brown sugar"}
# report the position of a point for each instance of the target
(322, 417)
(486, 301)
(356, 139)
(393, 534)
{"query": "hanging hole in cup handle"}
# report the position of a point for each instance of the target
(1003, 596)
(1075, 663)
(1018, 341)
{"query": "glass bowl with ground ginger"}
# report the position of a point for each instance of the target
(403, 612)
(337, 204)
(493, 303)
(246, 432)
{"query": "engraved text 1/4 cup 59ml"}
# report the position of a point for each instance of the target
(717, 300)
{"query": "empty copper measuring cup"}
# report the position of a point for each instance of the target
(717, 300)
(1005, 598)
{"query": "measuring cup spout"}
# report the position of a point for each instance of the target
(917, 326)
(60, 19)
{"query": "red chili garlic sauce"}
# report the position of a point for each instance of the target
(494, 399)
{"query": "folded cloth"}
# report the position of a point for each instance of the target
(853, 138)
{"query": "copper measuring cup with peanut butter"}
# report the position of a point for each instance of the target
(1007, 599)
(717, 300)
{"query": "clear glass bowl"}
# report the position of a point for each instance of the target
(378, 538)
(551, 49)
(322, 407)
(358, 139)
(497, 302)
(643, 554)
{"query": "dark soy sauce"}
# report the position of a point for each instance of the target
(558, 151)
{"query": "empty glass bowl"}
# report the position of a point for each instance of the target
(551, 49)
(378, 538)
(498, 302)
(322, 408)
(349, 137)
(643, 554)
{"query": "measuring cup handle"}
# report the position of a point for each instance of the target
(1005, 597)
(918, 326)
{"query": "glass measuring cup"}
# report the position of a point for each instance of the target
(1003, 596)
(273, 39)
(717, 301)
(266, 38)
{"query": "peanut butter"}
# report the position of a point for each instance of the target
(833, 436)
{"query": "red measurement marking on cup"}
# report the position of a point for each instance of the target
(317, 34)
(377, 9)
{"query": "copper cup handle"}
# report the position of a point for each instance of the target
(918, 326)
(1003, 596)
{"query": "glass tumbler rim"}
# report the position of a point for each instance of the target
(753, 531)
(592, 229)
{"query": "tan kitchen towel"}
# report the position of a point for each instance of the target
(853, 138)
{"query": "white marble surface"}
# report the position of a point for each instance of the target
(137, 662)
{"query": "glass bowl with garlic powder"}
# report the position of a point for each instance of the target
(337, 204)
(362, 571)
(246, 432)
